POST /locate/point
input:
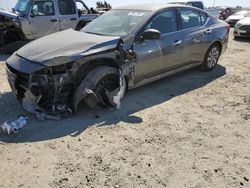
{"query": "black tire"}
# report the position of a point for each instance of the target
(99, 80)
(211, 58)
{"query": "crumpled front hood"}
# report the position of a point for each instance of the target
(8, 14)
(68, 43)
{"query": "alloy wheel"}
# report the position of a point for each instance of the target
(213, 57)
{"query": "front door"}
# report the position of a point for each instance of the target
(155, 57)
(43, 19)
(68, 14)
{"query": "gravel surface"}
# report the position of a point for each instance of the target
(188, 130)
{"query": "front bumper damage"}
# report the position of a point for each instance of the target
(42, 92)
(48, 92)
(52, 85)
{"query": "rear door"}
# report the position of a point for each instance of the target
(197, 34)
(43, 18)
(68, 14)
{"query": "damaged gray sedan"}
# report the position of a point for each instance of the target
(124, 48)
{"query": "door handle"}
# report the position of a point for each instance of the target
(177, 42)
(73, 19)
(208, 31)
(53, 20)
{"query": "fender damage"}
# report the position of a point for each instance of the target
(50, 85)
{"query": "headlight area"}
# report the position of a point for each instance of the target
(47, 92)
(53, 87)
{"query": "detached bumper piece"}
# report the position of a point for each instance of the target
(46, 95)
(14, 126)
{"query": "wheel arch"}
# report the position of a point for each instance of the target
(87, 82)
(219, 43)
(88, 66)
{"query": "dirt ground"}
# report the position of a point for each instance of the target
(188, 130)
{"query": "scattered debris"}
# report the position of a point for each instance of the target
(246, 179)
(14, 126)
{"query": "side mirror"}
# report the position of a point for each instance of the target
(151, 34)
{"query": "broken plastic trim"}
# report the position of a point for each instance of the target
(116, 95)
(10, 127)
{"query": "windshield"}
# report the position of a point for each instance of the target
(22, 6)
(116, 22)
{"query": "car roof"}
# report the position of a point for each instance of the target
(149, 7)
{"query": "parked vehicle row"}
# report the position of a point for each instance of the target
(242, 28)
(225, 13)
(233, 19)
(32, 19)
(124, 48)
(241, 23)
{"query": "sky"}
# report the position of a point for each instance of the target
(8, 4)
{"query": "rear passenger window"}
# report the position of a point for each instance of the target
(192, 18)
(66, 7)
(165, 22)
(203, 17)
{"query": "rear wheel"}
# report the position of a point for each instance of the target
(211, 58)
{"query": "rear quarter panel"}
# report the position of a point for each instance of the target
(220, 33)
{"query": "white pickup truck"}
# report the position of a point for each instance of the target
(32, 19)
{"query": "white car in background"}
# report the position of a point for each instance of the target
(233, 19)
(242, 28)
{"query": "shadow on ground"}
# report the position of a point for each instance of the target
(136, 100)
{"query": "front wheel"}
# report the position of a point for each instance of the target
(105, 85)
(211, 58)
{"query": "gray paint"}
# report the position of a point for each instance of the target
(64, 44)
(140, 61)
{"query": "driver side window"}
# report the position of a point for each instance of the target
(165, 22)
(43, 8)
